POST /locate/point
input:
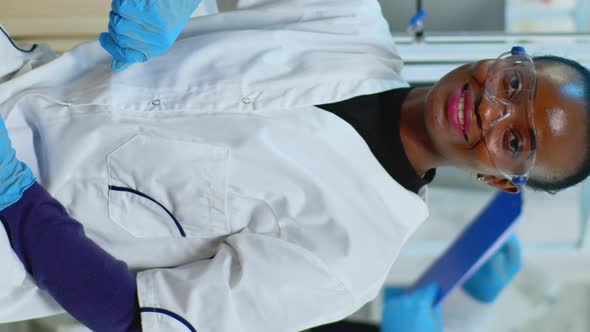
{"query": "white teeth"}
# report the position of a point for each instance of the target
(461, 114)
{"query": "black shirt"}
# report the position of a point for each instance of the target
(376, 118)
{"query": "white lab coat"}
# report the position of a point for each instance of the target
(288, 219)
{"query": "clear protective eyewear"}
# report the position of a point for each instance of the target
(506, 115)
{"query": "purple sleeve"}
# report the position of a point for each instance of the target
(90, 284)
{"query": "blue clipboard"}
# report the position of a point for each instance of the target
(481, 239)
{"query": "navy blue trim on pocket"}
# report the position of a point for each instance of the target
(14, 45)
(171, 314)
(133, 191)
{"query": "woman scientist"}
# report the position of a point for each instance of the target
(256, 177)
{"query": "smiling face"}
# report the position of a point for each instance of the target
(457, 109)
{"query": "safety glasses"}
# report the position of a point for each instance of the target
(506, 115)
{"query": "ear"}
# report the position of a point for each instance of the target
(499, 183)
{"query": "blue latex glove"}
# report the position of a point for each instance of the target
(412, 312)
(143, 29)
(494, 275)
(15, 176)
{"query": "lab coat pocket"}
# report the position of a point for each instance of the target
(168, 187)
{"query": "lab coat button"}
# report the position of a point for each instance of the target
(246, 100)
(156, 102)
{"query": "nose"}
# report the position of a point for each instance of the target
(490, 111)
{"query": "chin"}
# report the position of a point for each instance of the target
(435, 118)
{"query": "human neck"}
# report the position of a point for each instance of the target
(415, 140)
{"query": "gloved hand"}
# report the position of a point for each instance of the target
(143, 29)
(15, 176)
(494, 275)
(412, 312)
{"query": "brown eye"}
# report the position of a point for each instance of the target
(515, 84)
(513, 142)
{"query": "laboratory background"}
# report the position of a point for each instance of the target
(552, 292)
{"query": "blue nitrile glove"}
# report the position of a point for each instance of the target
(143, 29)
(494, 275)
(412, 312)
(15, 176)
